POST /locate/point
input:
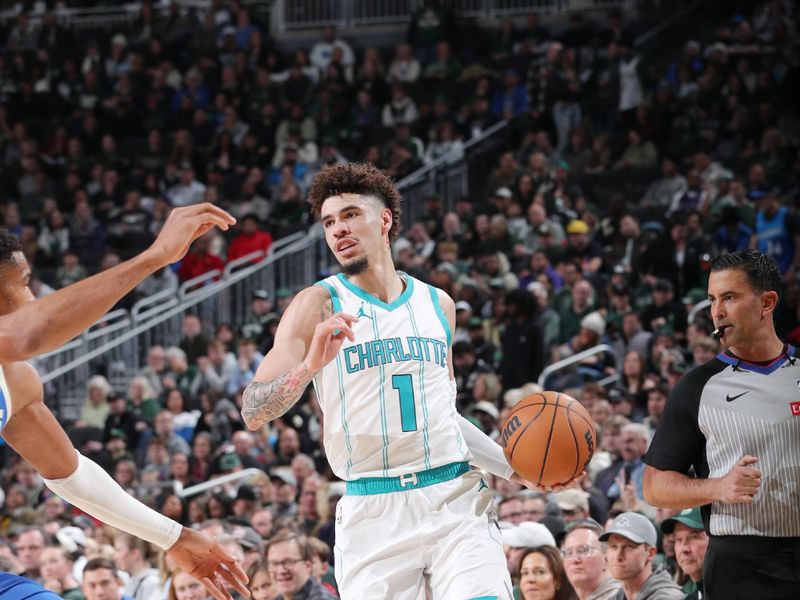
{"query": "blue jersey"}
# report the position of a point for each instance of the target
(14, 587)
(774, 238)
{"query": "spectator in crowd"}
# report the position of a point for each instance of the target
(289, 562)
(542, 576)
(632, 540)
(585, 563)
(691, 543)
(101, 581)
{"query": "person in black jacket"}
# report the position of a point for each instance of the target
(522, 340)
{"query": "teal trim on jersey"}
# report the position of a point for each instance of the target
(399, 301)
(343, 414)
(483, 598)
(335, 300)
(438, 307)
(370, 486)
(382, 370)
(425, 434)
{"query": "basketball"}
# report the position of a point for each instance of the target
(548, 438)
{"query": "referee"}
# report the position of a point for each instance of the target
(736, 421)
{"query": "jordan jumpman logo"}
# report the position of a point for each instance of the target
(361, 312)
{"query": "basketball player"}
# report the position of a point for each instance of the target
(376, 344)
(736, 420)
(32, 430)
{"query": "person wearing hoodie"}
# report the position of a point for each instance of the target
(631, 546)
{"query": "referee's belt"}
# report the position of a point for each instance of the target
(369, 486)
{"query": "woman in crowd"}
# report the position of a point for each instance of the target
(542, 575)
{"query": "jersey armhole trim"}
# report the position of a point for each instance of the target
(440, 313)
(335, 301)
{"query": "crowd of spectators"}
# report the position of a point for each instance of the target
(596, 227)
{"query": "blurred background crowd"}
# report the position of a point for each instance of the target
(626, 170)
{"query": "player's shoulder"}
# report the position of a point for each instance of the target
(23, 383)
(690, 386)
(444, 299)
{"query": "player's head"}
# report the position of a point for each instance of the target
(15, 274)
(744, 289)
(359, 208)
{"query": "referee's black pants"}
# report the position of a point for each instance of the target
(744, 567)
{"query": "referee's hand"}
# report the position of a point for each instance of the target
(741, 483)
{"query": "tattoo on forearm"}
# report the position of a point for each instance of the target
(263, 402)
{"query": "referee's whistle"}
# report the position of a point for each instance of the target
(719, 332)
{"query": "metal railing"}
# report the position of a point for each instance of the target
(697, 309)
(216, 482)
(118, 343)
(577, 358)
(289, 15)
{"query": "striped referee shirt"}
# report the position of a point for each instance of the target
(724, 409)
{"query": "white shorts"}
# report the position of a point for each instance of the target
(439, 542)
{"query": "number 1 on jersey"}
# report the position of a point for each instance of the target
(408, 411)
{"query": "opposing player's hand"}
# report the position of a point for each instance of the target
(741, 483)
(549, 488)
(329, 336)
(183, 226)
(201, 557)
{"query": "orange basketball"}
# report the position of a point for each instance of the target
(548, 438)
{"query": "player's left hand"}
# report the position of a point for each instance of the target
(549, 488)
(201, 557)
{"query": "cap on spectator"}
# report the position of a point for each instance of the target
(260, 295)
(595, 322)
(447, 267)
(469, 282)
(116, 433)
(577, 226)
(475, 323)
(678, 367)
(572, 499)
(283, 475)
(690, 517)
(186, 165)
(694, 296)
(463, 347)
(246, 492)
(271, 317)
(503, 192)
(70, 538)
(249, 539)
(637, 528)
(229, 461)
(229, 30)
(544, 229)
(282, 293)
(120, 40)
(336, 489)
(487, 407)
(715, 47)
(290, 147)
(497, 283)
(590, 524)
(662, 285)
(527, 535)
(463, 305)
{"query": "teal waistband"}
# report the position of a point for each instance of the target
(369, 486)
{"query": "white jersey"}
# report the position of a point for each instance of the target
(386, 397)
(5, 400)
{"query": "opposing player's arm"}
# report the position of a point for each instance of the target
(51, 321)
(309, 336)
(33, 431)
(36, 435)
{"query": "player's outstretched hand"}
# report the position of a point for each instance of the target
(329, 336)
(549, 488)
(201, 557)
(183, 226)
(741, 483)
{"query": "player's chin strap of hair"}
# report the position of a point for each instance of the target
(486, 454)
(93, 490)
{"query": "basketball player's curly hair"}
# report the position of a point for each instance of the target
(9, 244)
(356, 178)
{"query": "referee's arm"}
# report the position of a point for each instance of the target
(678, 445)
(671, 489)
